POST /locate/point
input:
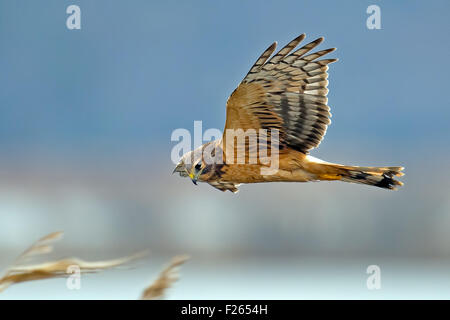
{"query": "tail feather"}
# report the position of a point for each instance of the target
(382, 177)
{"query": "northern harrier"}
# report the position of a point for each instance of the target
(285, 94)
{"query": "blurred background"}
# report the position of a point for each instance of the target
(86, 118)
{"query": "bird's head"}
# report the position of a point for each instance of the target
(191, 165)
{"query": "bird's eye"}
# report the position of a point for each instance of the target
(198, 166)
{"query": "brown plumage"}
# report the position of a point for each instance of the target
(280, 107)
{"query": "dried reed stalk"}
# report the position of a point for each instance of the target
(166, 278)
(21, 272)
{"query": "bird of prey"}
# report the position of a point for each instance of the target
(284, 93)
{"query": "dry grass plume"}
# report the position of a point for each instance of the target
(166, 278)
(21, 271)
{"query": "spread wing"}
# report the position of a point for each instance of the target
(286, 92)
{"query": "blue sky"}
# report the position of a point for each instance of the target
(138, 70)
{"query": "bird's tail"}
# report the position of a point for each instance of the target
(382, 177)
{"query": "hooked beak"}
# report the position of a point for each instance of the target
(193, 178)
